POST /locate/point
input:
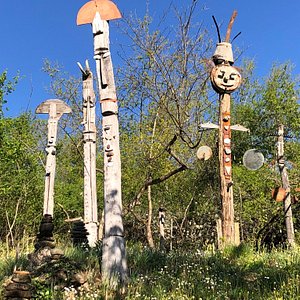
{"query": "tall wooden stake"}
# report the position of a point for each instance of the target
(114, 263)
(226, 169)
(55, 108)
(89, 149)
(225, 79)
(286, 185)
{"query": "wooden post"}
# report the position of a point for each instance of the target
(287, 205)
(226, 170)
(89, 150)
(55, 108)
(161, 219)
(225, 79)
(114, 263)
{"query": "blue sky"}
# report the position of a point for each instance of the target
(30, 33)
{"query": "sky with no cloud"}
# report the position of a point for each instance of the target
(32, 31)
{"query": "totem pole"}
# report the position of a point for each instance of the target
(287, 205)
(89, 151)
(225, 79)
(114, 264)
(55, 108)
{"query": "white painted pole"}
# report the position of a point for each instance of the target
(89, 149)
(55, 108)
(114, 263)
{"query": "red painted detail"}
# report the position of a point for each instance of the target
(106, 8)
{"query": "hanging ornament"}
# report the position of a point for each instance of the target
(253, 159)
(204, 153)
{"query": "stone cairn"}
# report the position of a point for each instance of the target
(79, 234)
(19, 286)
(45, 235)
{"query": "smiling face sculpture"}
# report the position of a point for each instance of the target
(225, 78)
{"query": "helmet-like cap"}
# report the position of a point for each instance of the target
(223, 52)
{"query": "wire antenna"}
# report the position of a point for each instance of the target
(235, 37)
(217, 27)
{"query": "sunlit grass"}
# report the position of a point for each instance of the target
(234, 273)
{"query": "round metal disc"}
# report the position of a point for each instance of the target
(204, 152)
(253, 159)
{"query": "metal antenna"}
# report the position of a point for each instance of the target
(218, 30)
(235, 37)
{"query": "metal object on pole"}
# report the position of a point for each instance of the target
(89, 151)
(253, 159)
(55, 108)
(204, 152)
(114, 263)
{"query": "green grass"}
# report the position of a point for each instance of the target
(235, 273)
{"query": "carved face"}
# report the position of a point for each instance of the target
(225, 78)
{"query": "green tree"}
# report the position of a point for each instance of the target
(6, 87)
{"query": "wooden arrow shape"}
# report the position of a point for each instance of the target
(227, 170)
(106, 8)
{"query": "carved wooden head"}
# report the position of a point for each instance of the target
(225, 78)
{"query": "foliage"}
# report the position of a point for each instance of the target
(21, 176)
(6, 88)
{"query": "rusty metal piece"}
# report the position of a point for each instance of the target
(106, 8)
(279, 194)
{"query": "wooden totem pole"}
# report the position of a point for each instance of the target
(55, 108)
(114, 264)
(225, 79)
(89, 152)
(287, 205)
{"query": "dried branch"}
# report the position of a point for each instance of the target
(228, 33)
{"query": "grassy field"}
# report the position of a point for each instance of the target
(235, 273)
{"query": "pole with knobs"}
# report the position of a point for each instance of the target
(225, 79)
